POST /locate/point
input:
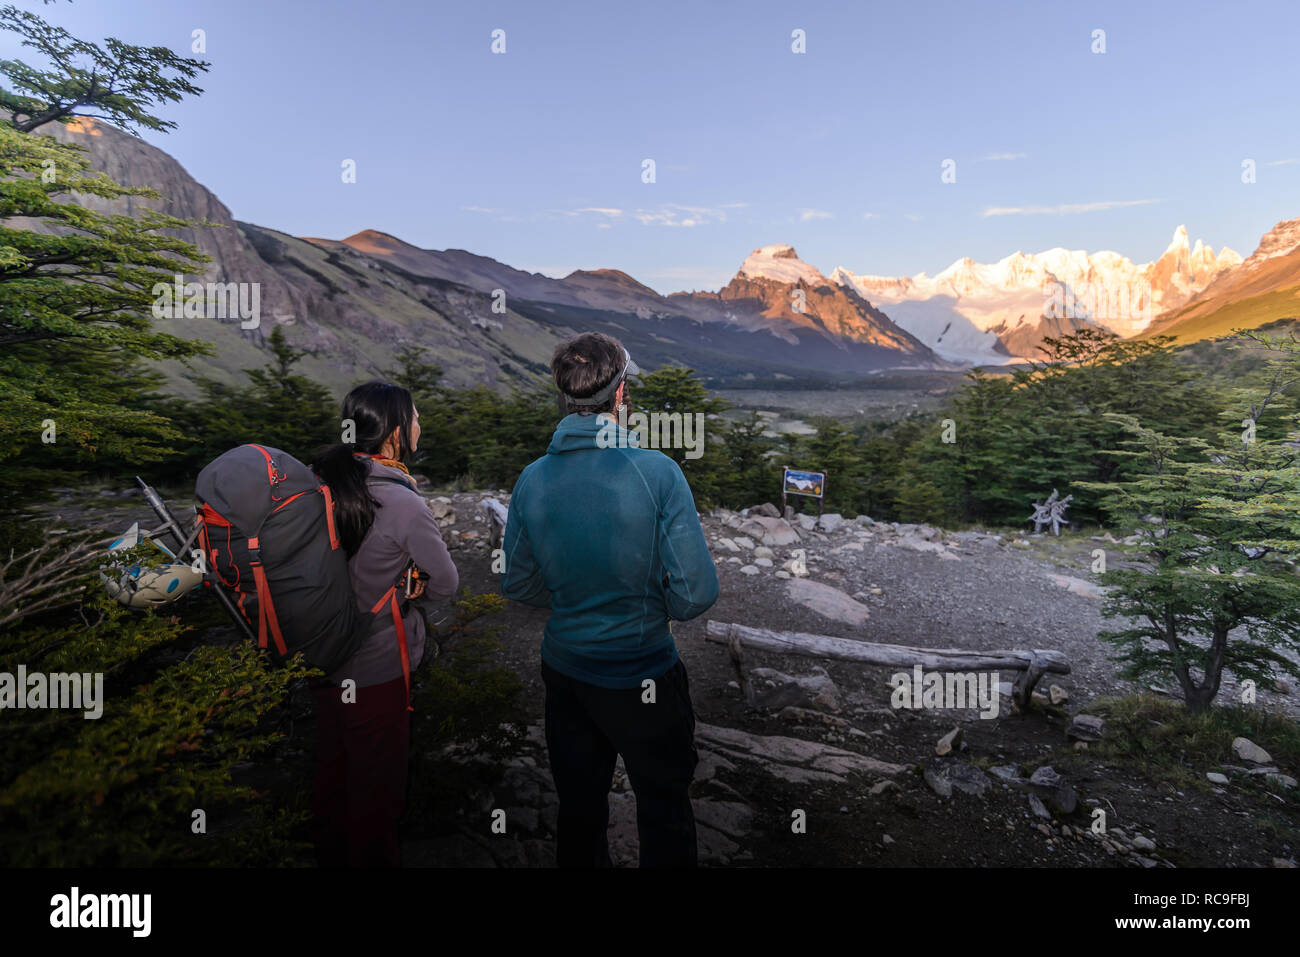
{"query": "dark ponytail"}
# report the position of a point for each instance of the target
(374, 410)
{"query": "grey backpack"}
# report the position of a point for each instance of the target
(268, 538)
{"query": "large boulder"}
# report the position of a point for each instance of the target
(830, 521)
(826, 601)
(1248, 750)
(768, 530)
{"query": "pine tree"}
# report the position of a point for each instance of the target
(75, 297)
(1218, 538)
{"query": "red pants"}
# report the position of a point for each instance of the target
(362, 751)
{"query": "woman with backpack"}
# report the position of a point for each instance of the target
(363, 708)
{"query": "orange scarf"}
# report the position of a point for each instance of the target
(391, 463)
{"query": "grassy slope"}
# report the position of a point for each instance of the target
(379, 316)
(1248, 313)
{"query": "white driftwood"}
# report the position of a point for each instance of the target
(496, 513)
(1032, 665)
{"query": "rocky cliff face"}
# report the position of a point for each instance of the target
(350, 311)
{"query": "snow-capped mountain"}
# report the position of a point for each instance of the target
(1022, 297)
(775, 290)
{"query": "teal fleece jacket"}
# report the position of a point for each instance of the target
(606, 535)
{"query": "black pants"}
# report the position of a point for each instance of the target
(587, 728)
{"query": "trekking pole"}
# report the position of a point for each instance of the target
(169, 522)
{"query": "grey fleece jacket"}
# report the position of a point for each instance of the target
(404, 529)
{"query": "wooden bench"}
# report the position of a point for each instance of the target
(1031, 665)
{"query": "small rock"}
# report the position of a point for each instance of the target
(886, 839)
(749, 569)
(1248, 750)
(1144, 843)
(728, 544)
(1086, 727)
(774, 690)
(763, 562)
(1057, 694)
(1039, 808)
(949, 742)
(795, 568)
(944, 774)
(743, 541)
(762, 551)
(1054, 789)
(1216, 778)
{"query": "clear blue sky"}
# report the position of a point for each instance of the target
(836, 151)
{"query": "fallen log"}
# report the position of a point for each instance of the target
(1032, 664)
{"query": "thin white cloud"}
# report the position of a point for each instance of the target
(1285, 162)
(480, 209)
(995, 157)
(807, 215)
(1065, 209)
(675, 214)
(870, 216)
(603, 210)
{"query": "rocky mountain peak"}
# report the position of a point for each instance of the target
(1278, 241)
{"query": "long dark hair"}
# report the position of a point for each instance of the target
(373, 411)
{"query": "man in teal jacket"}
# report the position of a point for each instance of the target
(606, 535)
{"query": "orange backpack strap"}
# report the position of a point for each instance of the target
(390, 598)
(329, 516)
(266, 617)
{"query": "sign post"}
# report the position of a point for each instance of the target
(794, 482)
